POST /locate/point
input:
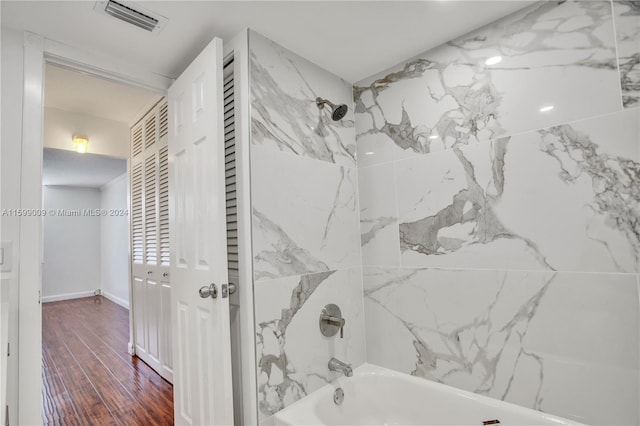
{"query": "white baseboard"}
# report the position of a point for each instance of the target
(116, 299)
(67, 296)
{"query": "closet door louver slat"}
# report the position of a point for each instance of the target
(137, 229)
(150, 226)
(164, 119)
(230, 171)
(163, 204)
(150, 129)
(137, 141)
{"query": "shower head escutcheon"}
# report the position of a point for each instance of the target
(337, 111)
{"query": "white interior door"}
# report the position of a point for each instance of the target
(150, 259)
(201, 343)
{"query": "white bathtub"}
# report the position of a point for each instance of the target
(378, 396)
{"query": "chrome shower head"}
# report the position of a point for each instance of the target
(337, 111)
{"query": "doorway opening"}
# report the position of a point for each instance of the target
(89, 375)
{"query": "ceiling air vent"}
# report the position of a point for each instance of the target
(132, 14)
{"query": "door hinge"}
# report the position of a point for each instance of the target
(8, 348)
(6, 415)
(39, 298)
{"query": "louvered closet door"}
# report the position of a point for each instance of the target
(150, 240)
(230, 175)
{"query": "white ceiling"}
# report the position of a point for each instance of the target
(68, 168)
(353, 39)
(81, 93)
(88, 95)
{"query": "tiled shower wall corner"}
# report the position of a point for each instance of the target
(306, 242)
(501, 243)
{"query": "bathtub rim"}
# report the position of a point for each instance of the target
(373, 370)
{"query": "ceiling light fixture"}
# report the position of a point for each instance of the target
(81, 143)
(493, 60)
(369, 153)
(546, 108)
(433, 137)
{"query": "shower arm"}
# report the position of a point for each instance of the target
(320, 103)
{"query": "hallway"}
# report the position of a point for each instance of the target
(88, 376)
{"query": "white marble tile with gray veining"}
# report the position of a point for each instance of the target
(559, 55)
(627, 18)
(518, 336)
(562, 198)
(305, 215)
(284, 115)
(378, 216)
(292, 354)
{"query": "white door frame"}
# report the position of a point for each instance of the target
(37, 52)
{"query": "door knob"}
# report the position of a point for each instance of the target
(208, 291)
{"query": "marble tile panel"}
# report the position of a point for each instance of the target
(305, 215)
(378, 216)
(284, 115)
(553, 54)
(562, 198)
(627, 20)
(292, 354)
(563, 343)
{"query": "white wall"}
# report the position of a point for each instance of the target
(115, 241)
(12, 77)
(106, 137)
(72, 264)
(84, 253)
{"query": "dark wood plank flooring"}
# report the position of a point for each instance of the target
(88, 377)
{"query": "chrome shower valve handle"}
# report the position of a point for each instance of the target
(338, 322)
(331, 320)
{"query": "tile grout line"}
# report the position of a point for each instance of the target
(397, 201)
(617, 52)
(469, 269)
(416, 156)
(360, 251)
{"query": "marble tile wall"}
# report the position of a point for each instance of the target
(562, 343)
(627, 19)
(500, 240)
(306, 242)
